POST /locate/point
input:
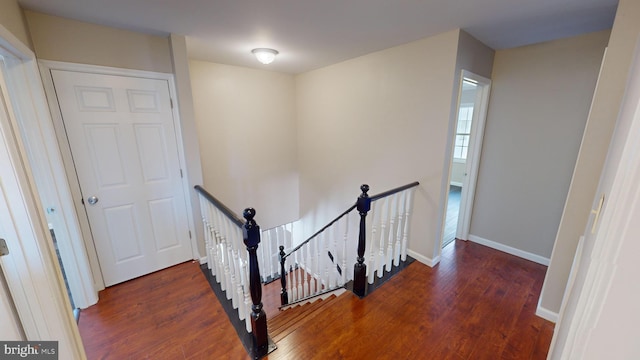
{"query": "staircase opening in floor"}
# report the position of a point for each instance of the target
(312, 270)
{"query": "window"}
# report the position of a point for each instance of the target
(463, 132)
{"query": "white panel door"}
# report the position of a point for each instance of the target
(123, 143)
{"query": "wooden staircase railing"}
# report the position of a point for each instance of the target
(318, 264)
(236, 270)
(315, 266)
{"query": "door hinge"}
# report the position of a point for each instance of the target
(182, 176)
(171, 103)
(189, 234)
(4, 249)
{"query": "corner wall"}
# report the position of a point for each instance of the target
(380, 119)
(247, 134)
(12, 18)
(595, 143)
(537, 112)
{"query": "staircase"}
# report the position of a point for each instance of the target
(299, 315)
(312, 273)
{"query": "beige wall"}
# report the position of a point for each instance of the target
(474, 56)
(597, 135)
(538, 109)
(380, 119)
(247, 133)
(188, 129)
(56, 38)
(12, 18)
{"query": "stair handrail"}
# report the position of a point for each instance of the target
(393, 191)
(363, 204)
(350, 209)
(320, 231)
(222, 207)
(253, 315)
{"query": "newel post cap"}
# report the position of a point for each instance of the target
(250, 230)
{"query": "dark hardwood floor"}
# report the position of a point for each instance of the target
(478, 303)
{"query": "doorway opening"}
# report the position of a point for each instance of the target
(473, 101)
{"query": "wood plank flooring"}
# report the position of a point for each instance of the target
(478, 303)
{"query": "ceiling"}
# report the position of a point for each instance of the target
(310, 34)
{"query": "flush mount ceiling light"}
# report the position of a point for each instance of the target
(264, 55)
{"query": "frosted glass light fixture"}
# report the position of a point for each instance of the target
(264, 55)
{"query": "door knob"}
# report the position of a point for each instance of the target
(92, 200)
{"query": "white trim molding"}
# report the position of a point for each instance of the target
(546, 314)
(510, 250)
(423, 259)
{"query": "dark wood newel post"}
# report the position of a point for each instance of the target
(251, 235)
(360, 268)
(284, 297)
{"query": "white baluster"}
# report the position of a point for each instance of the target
(334, 251)
(226, 261)
(384, 216)
(393, 208)
(212, 241)
(344, 250)
(303, 268)
(399, 227)
(291, 284)
(231, 285)
(375, 224)
(288, 274)
(247, 300)
(241, 288)
(407, 214)
(296, 284)
(312, 265)
(318, 268)
(326, 260)
(271, 253)
(220, 254)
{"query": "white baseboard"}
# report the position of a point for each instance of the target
(203, 260)
(547, 314)
(510, 250)
(423, 259)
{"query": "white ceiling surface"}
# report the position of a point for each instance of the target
(315, 33)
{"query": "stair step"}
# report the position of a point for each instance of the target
(290, 320)
(294, 314)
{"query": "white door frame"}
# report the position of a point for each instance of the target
(45, 69)
(45, 160)
(32, 273)
(475, 147)
(473, 156)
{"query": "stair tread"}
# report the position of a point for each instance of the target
(293, 314)
(290, 320)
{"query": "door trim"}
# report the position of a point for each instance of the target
(472, 163)
(34, 278)
(475, 143)
(46, 66)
